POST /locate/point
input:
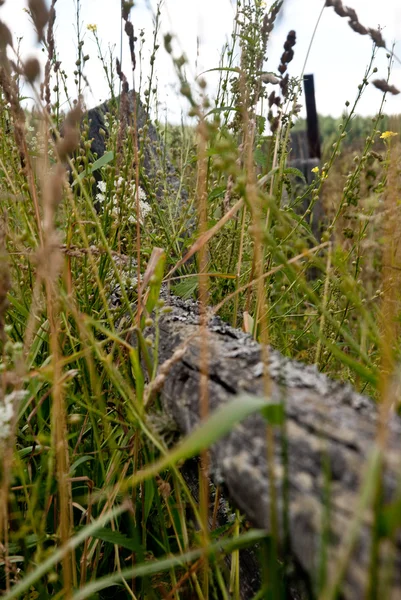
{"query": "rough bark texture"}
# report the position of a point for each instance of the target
(327, 423)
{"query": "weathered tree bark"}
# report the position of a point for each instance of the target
(328, 436)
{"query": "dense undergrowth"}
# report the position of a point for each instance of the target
(77, 234)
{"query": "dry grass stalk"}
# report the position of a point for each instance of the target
(391, 302)
(40, 16)
(10, 91)
(129, 30)
(45, 87)
(5, 278)
(124, 113)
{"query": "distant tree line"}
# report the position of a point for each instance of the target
(357, 132)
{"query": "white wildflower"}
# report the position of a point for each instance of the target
(7, 410)
(101, 186)
(142, 194)
(144, 208)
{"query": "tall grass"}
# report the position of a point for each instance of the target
(90, 492)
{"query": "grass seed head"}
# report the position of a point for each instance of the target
(31, 69)
(6, 39)
(358, 27)
(381, 84)
(71, 133)
(40, 16)
(377, 37)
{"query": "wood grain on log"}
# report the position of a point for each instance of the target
(329, 428)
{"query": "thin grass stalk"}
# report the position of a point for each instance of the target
(60, 437)
(49, 271)
(239, 267)
(129, 30)
(235, 564)
(204, 343)
(324, 304)
(254, 201)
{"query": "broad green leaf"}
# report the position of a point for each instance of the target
(217, 192)
(220, 422)
(274, 414)
(187, 287)
(98, 164)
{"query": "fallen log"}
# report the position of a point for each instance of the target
(328, 436)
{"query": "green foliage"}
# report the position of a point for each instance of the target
(90, 490)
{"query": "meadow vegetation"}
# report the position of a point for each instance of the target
(86, 244)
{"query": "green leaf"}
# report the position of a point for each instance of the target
(296, 172)
(116, 537)
(155, 283)
(26, 451)
(260, 157)
(274, 414)
(389, 520)
(286, 171)
(78, 462)
(217, 192)
(299, 219)
(187, 287)
(138, 374)
(98, 164)
(227, 546)
(229, 69)
(367, 374)
(220, 109)
(149, 495)
(218, 424)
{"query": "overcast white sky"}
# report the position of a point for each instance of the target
(338, 57)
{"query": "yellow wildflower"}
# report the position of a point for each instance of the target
(91, 27)
(315, 170)
(387, 134)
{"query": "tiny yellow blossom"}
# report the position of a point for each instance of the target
(315, 170)
(91, 27)
(387, 134)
